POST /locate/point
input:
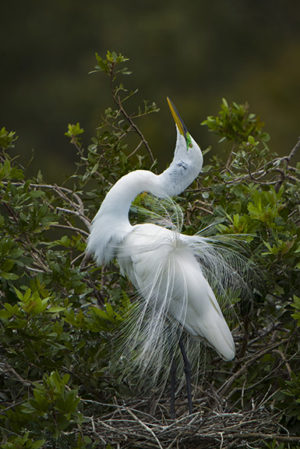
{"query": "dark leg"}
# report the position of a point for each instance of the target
(173, 388)
(187, 370)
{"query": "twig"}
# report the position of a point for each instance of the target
(8, 367)
(136, 149)
(118, 101)
(35, 270)
(285, 361)
(294, 150)
(3, 410)
(145, 427)
(267, 436)
(244, 367)
(113, 405)
(70, 228)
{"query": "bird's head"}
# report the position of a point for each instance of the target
(188, 159)
(186, 147)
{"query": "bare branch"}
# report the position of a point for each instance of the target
(294, 150)
(118, 102)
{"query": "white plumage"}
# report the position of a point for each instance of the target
(169, 270)
(163, 267)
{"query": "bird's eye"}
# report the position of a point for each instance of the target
(182, 164)
(188, 139)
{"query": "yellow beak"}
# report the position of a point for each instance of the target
(177, 119)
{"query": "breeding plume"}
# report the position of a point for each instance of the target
(175, 275)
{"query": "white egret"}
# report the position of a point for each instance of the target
(170, 270)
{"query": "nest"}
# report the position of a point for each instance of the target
(224, 417)
(129, 426)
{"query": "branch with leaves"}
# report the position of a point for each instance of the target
(59, 315)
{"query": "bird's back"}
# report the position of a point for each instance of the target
(163, 268)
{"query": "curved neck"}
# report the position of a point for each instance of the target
(175, 179)
(118, 200)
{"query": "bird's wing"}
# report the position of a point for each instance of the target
(174, 295)
(203, 315)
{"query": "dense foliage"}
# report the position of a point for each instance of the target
(58, 311)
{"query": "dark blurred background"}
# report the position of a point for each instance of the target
(194, 51)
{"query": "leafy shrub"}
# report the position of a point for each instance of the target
(58, 311)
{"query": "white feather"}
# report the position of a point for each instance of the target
(173, 293)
